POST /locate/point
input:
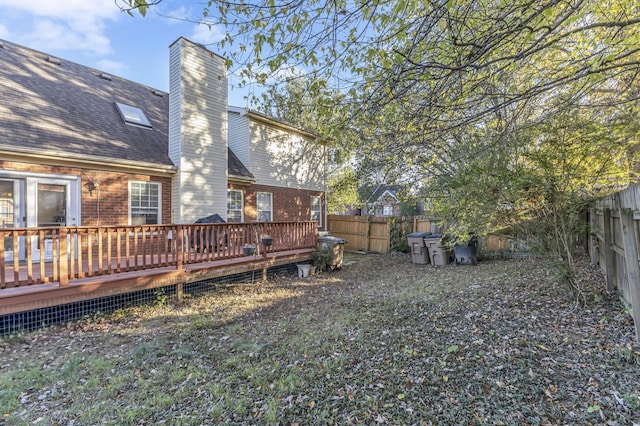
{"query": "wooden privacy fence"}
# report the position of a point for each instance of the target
(363, 233)
(30, 256)
(614, 245)
(372, 234)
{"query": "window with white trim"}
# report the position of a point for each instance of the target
(145, 203)
(316, 209)
(235, 205)
(387, 210)
(264, 201)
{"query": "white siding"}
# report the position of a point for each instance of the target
(175, 128)
(239, 137)
(201, 142)
(286, 159)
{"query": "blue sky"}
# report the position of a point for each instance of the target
(97, 34)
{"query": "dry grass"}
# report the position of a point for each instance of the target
(381, 342)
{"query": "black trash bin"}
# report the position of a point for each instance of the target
(419, 251)
(467, 254)
(211, 239)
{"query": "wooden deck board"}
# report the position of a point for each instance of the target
(29, 297)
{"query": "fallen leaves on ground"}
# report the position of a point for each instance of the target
(383, 341)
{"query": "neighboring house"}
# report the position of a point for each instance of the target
(383, 201)
(81, 147)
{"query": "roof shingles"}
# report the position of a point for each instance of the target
(68, 108)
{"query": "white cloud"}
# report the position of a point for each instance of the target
(113, 67)
(48, 35)
(67, 9)
(207, 34)
(68, 24)
(176, 16)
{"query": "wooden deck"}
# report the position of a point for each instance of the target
(26, 298)
(107, 261)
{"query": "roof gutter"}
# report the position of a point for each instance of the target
(76, 160)
(242, 180)
(273, 121)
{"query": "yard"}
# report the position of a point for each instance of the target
(382, 341)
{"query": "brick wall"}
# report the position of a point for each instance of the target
(289, 204)
(108, 204)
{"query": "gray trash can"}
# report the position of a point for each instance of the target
(335, 246)
(419, 251)
(438, 253)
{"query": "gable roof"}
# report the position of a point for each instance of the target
(237, 169)
(53, 108)
(381, 190)
(276, 122)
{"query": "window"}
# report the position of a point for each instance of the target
(235, 205)
(316, 209)
(133, 115)
(387, 210)
(144, 203)
(265, 207)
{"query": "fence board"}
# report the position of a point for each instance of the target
(616, 243)
(363, 233)
(630, 234)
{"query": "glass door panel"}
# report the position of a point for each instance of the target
(51, 210)
(11, 215)
(7, 214)
(52, 204)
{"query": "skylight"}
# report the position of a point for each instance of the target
(133, 115)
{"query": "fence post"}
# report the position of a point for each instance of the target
(592, 237)
(630, 237)
(368, 233)
(609, 254)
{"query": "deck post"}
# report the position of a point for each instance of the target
(64, 258)
(180, 291)
(179, 245)
(264, 263)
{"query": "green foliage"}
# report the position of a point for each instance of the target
(322, 259)
(398, 230)
(537, 182)
(161, 297)
(142, 6)
(342, 191)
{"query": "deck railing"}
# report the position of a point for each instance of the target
(30, 256)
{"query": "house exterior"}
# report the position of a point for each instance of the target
(287, 165)
(383, 201)
(81, 147)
